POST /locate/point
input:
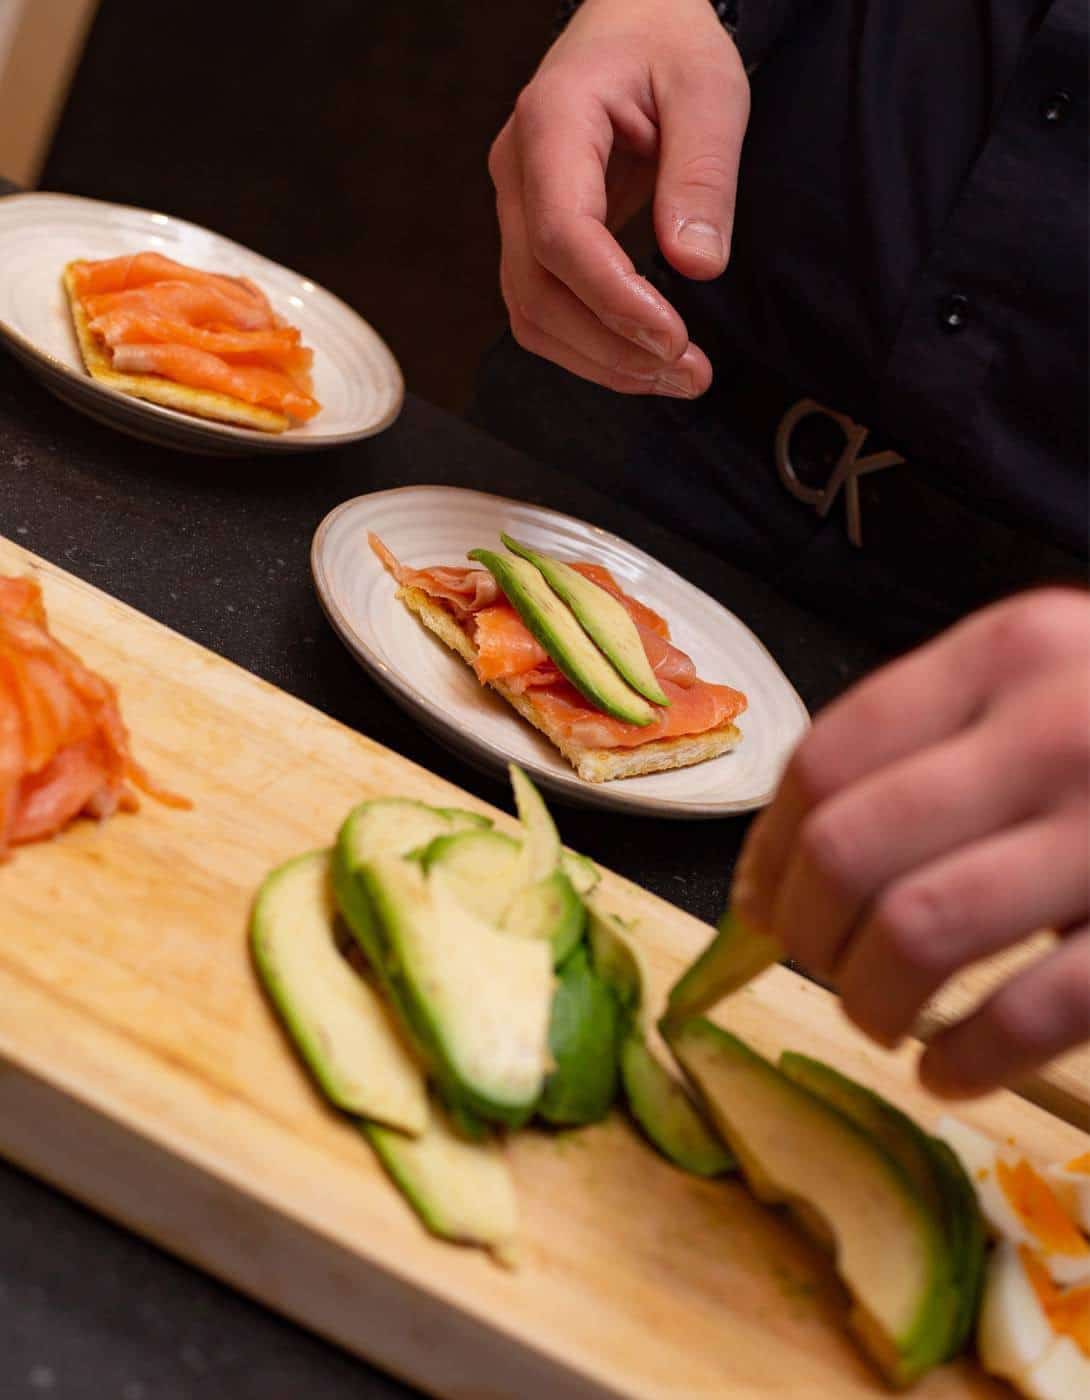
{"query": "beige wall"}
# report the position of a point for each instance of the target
(40, 45)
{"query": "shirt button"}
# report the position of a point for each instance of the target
(1055, 107)
(953, 312)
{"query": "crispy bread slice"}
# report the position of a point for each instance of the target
(204, 403)
(592, 765)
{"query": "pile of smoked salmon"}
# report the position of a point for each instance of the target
(507, 655)
(145, 322)
(64, 749)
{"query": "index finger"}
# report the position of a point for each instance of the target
(907, 706)
(564, 151)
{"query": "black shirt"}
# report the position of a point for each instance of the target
(910, 243)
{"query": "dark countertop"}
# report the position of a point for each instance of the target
(218, 549)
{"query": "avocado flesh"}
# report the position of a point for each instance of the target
(734, 957)
(581, 871)
(475, 999)
(339, 1024)
(605, 620)
(667, 1115)
(555, 627)
(660, 1105)
(583, 1037)
(463, 820)
(931, 1167)
(549, 910)
(482, 867)
(793, 1147)
(462, 1191)
(541, 850)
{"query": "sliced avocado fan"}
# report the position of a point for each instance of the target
(605, 620)
(554, 625)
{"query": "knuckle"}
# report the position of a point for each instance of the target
(1041, 626)
(829, 848)
(811, 772)
(706, 170)
(916, 917)
(548, 238)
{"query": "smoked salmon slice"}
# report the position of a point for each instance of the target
(153, 319)
(508, 652)
(64, 748)
(257, 384)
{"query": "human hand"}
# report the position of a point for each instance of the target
(637, 97)
(935, 814)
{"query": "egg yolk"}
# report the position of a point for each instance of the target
(1079, 1164)
(1067, 1310)
(1036, 1205)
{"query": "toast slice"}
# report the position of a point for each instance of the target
(592, 765)
(203, 403)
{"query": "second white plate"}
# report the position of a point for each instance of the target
(356, 378)
(426, 525)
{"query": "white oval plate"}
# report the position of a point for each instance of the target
(426, 525)
(356, 378)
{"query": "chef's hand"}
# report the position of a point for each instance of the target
(936, 814)
(637, 97)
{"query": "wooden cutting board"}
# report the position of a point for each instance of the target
(141, 1070)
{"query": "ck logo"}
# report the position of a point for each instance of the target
(849, 467)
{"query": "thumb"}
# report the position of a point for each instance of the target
(702, 122)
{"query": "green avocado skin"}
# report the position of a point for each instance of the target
(554, 625)
(357, 910)
(584, 1037)
(933, 1169)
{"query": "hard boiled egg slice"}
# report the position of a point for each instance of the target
(1013, 1330)
(1071, 1182)
(1031, 1332)
(1063, 1373)
(1018, 1203)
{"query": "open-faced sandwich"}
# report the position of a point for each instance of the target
(195, 341)
(590, 667)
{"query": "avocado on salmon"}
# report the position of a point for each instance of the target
(929, 1164)
(475, 1000)
(338, 1023)
(796, 1149)
(605, 620)
(554, 625)
(584, 1032)
(461, 1191)
(735, 955)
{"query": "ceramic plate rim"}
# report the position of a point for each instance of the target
(169, 417)
(495, 756)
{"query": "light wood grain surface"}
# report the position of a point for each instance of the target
(141, 1070)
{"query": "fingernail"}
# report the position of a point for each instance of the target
(675, 384)
(656, 342)
(702, 238)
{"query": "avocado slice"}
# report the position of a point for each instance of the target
(383, 827)
(541, 849)
(462, 1191)
(549, 910)
(605, 621)
(583, 1039)
(659, 1104)
(475, 1000)
(616, 961)
(736, 954)
(667, 1114)
(553, 624)
(461, 819)
(929, 1164)
(581, 871)
(796, 1149)
(338, 1023)
(482, 867)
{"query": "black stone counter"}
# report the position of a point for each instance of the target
(218, 549)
